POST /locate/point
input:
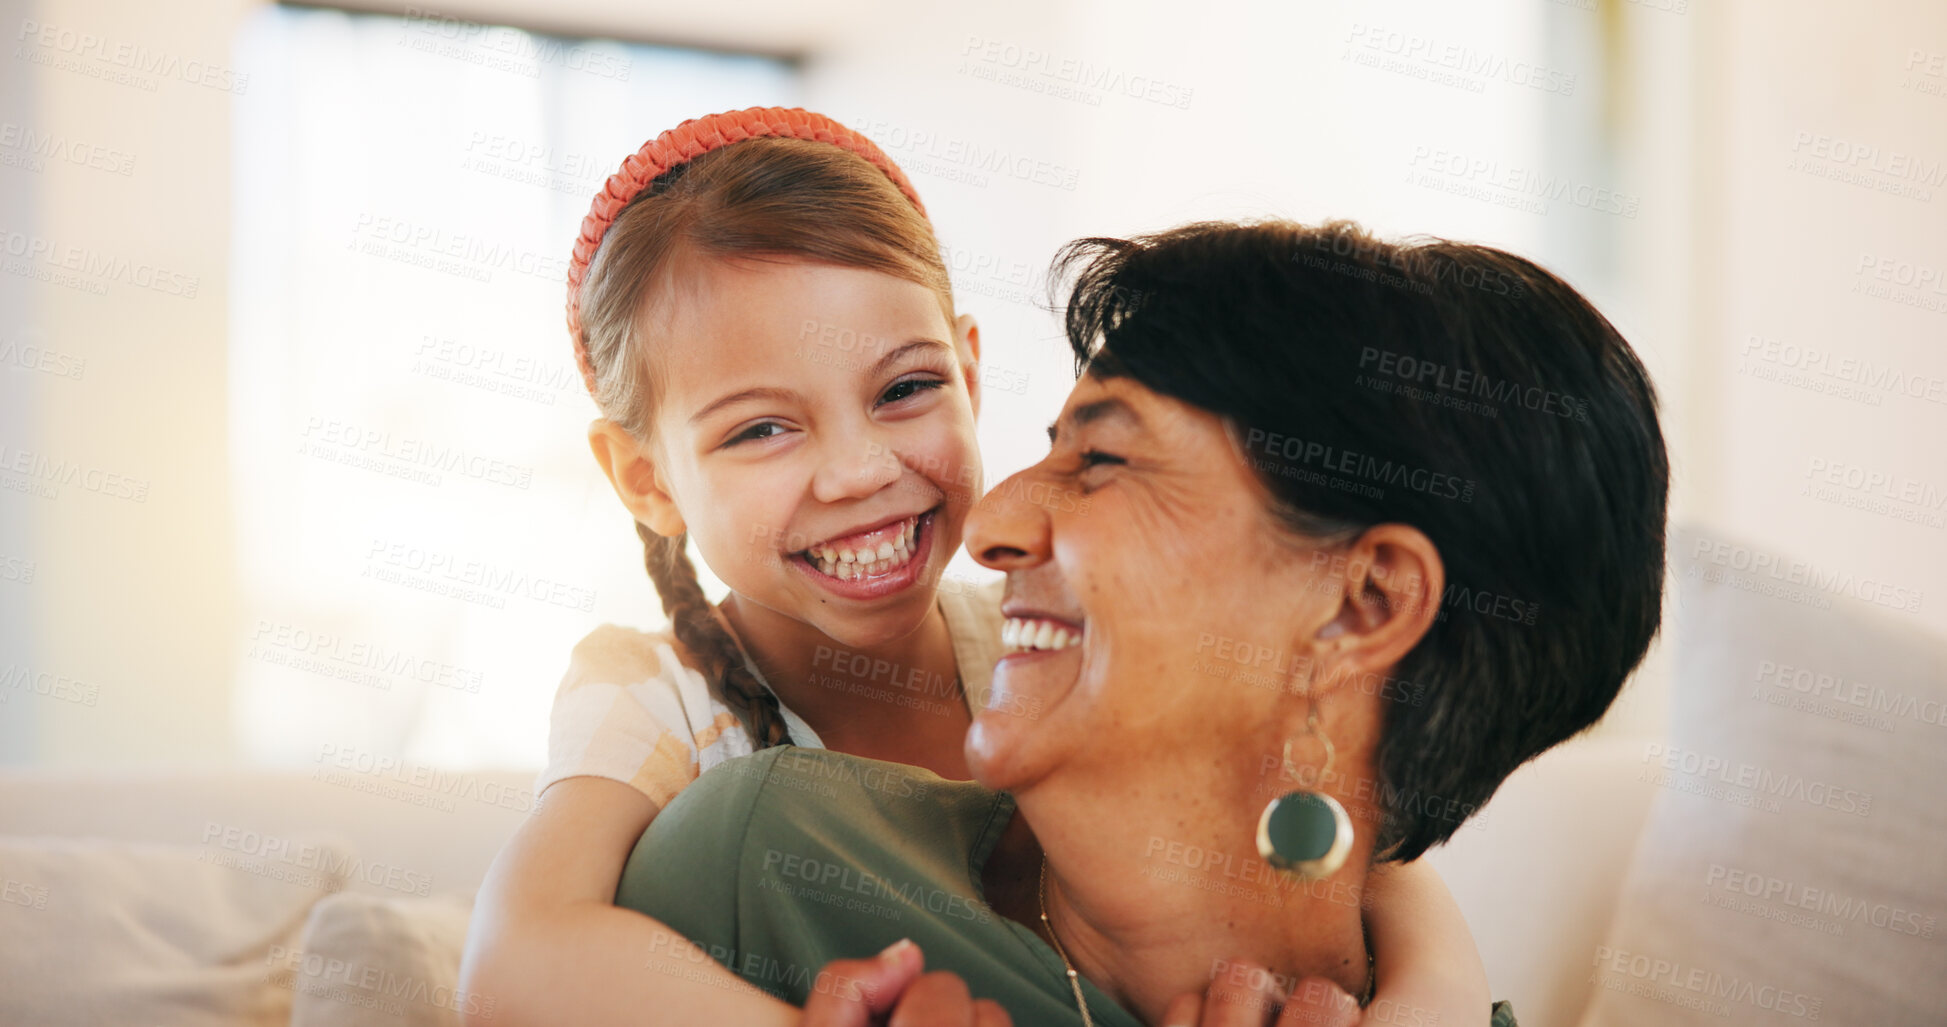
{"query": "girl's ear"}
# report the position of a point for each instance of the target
(635, 476)
(966, 335)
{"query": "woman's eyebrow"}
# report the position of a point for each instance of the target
(1100, 409)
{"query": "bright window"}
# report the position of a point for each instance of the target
(422, 534)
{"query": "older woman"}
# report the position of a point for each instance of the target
(1354, 526)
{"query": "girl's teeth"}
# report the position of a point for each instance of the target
(847, 564)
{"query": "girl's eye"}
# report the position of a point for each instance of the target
(907, 387)
(757, 431)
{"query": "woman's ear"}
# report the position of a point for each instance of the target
(966, 336)
(637, 480)
(1391, 580)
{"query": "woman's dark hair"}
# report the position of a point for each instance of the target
(1458, 389)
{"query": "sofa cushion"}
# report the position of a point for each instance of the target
(368, 961)
(1790, 869)
(95, 931)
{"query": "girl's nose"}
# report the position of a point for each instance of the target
(855, 467)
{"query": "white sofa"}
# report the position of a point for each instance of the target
(1557, 839)
(1566, 877)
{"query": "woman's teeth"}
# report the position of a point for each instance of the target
(848, 562)
(1019, 635)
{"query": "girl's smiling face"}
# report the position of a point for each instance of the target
(813, 431)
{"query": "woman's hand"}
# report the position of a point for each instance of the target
(1248, 995)
(890, 989)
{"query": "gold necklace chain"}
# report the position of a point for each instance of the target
(1074, 979)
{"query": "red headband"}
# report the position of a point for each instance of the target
(685, 143)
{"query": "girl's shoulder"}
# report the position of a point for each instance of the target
(973, 617)
(632, 707)
(613, 656)
(978, 598)
(615, 650)
(652, 667)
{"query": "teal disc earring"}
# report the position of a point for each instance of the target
(1305, 833)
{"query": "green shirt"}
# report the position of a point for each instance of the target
(780, 862)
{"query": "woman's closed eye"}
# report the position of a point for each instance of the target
(1095, 459)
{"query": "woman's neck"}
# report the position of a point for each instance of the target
(1160, 890)
(899, 701)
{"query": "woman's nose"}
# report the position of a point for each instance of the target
(1005, 531)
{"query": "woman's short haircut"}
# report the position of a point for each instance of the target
(1456, 388)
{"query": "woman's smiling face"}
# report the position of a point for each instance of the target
(814, 432)
(1145, 535)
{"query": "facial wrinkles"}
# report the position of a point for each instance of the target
(1196, 512)
(1111, 559)
(1164, 500)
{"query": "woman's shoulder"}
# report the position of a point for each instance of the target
(800, 792)
(729, 790)
(754, 817)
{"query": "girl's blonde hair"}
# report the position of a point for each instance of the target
(766, 198)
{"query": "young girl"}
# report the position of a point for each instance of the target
(762, 314)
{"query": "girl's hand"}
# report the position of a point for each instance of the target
(1427, 965)
(1315, 1002)
(889, 990)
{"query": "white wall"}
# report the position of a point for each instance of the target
(132, 599)
(1804, 87)
(1749, 260)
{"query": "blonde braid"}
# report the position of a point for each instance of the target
(698, 630)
